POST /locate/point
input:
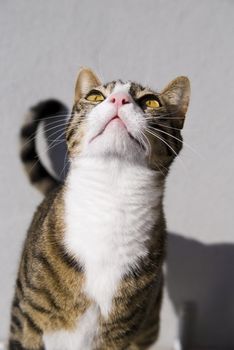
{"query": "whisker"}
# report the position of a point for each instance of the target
(167, 126)
(44, 132)
(171, 127)
(158, 166)
(157, 136)
(149, 131)
(148, 146)
(57, 138)
(176, 138)
(54, 116)
(149, 149)
(65, 162)
(37, 161)
(163, 167)
(163, 117)
(143, 144)
(158, 112)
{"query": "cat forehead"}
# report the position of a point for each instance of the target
(121, 87)
(135, 89)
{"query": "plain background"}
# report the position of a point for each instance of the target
(43, 44)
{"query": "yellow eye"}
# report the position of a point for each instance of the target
(152, 103)
(95, 97)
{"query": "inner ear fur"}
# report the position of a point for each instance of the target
(86, 81)
(176, 95)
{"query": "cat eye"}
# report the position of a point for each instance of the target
(95, 96)
(149, 101)
(152, 103)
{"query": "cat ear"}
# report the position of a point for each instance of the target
(176, 95)
(86, 81)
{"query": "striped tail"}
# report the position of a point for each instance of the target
(38, 175)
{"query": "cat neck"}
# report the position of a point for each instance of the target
(107, 177)
(111, 208)
(114, 168)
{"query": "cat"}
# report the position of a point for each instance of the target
(90, 274)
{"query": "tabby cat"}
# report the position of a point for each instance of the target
(90, 275)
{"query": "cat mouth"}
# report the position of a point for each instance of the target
(118, 120)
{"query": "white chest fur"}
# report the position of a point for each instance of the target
(109, 211)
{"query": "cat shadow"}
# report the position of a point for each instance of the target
(199, 277)
(200, 282)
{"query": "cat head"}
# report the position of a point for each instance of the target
(127, 121)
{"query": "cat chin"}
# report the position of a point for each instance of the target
(116, 141)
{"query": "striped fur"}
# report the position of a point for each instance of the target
(56, 305)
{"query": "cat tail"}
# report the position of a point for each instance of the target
(38, 175)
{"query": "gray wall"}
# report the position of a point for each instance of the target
(43, 43)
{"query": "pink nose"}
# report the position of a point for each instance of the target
(119, 99)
